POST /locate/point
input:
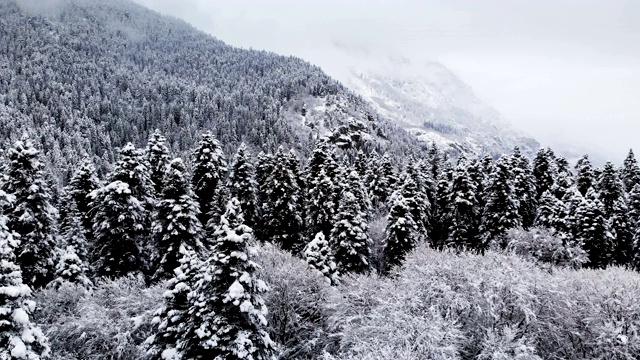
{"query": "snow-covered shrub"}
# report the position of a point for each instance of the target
(296, 300)
(109, 323)
(542, 245)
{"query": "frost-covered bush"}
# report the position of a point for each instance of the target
(539, 244)
(109, 323)
(296, 299)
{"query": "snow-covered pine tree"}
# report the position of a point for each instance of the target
(551, 214)
(172, 318)
(349, 238)
(463, 211)
(592, 231)
(524, 185)
(418, 205)
(501, 211)
(609, 188)
(209, 169)
(31, 215)
(157, 157)
(401, 233)
(227, 316)
(377, 182)
(321, 207)
(571, 201)
(585, 177)
(19, 337)
(633, 201)
(83, 181)
(177, 223)
(118, 222)
(264, 171)
(319, 257)
(356, 186)
(242, 185)
(630, 172)
(72, 231)
(440, 221)
(282, 213)
(71, 269)
(361, 164)
(543, 171)
(564, 179)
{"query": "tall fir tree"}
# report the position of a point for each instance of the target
(501, 211)
(630, 172)
(564, 179)
(543, 171)
(321, 204)
(157, 158)
(418, 205)
(440, 220)
(118, 223)
(551, 214)
(177, 223)
(634, 206)
(172, 318)
(72, 232)
(585, 177)
(20, 338)
(319, 257)
(227, 313)
(524, 187)
(356, 186)
(83, 181)
(592, 231)
(464, 211)
(209, 169)
(264, 171)
(242, 185)
(400, 233)
(31, 214)
(349, 238)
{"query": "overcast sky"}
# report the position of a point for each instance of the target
(561, 70)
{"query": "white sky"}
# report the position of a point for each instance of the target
(561, 70)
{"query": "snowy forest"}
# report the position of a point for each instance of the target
(166, 196)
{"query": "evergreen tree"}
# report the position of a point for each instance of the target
(209, 168)
(634, 206)
(564, 178)
(400, 234)
(321, 204)
(71, 269)
(349, 237)
(319, 257)
(543, 171)
(19, 337)
(264, 171)
(356, 187)
(463, 212)
(361, 165)
(501, 211)
(440, 220)
(72, 232)
(622, 232)
(172, 318)
(630, 172)
(585, 177)
(281, 211)
(227, 314)
(177, 222)
(83, 181)
(524, 187)
(242, 185)
(592, 232)
(418, 205)
(157, 158)
(610, 189)
(551, 214)
(118, 223)
(132, 170)
(31, 215)
(424, 185)
(572, 200)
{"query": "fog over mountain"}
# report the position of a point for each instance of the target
(566, 72)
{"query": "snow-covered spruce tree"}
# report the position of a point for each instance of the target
(377, 182)
(525, 188)
(227, 316)
(611, 193)
(349, 238)
(172, 318)
(321, 204)
(157, 157)
(464, 211)
(634, 206)
(118, 222)
(209, 169)
(630, 172)
(242, 185)
(440, 221)
(585, 177)
(501, 211)
(610, 189)
(361, 164)
(592, 231)
(264, 170)
(177, 223)
(19, 337)
(356, 186)
(418, 205)
(401, 233)
(551, 215)
(83, 181)
(282, 213)
(31, 215)
(564, 179)
(543, 171)
(72, 231)
(71, 269)
(571, 201)
(319, 257)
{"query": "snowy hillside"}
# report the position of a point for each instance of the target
(435, 105)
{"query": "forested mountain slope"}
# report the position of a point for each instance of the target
(89, 76)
